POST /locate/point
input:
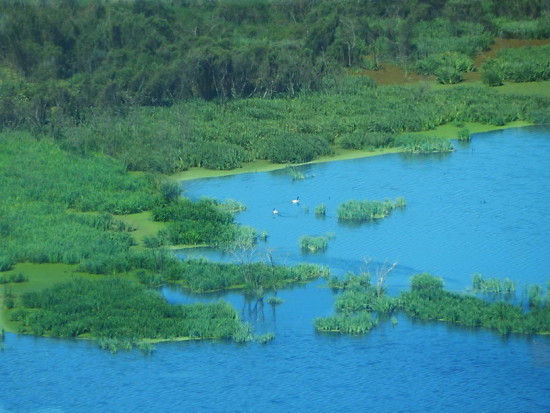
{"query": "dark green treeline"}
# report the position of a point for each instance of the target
(60, 57)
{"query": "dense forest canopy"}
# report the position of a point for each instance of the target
(58, 58)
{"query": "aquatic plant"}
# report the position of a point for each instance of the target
(121, 312)
(367, 210)
(359, 323)
(296, 174)
(232, 205)
(275, 300)
(464, 134)
(423, 144)
(313, 243)
(243, 333)
(428, 300)
(265, 338)
(351, 281)
(492, 285)
(321, 210)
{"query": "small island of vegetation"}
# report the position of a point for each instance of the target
(368, 210)
(361, 305)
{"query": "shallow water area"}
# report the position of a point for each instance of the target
(482, 208)
(479, 209)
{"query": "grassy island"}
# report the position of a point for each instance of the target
(361, 305)
(368, 210)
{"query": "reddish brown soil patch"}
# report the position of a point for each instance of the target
(507, 44)
(394, 75)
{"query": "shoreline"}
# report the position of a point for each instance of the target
(446, 131)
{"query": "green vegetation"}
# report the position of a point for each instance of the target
(522, 29)
(448, 66)
(59, 58)
(265, 338)
(423, 144)
(119, 309)
(321, 210)
(201, 275)
(58, 208)
(186, 95)
(368, 210)
(428, 300)
(275, 300)
(464, 134)
(354, 324)
(315, 243)
(359, 305)
(492, 285)
(526, 64)
(352, 114)
(14, 278)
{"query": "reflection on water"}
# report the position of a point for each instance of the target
(480, 209)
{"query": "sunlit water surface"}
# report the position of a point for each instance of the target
(481, 209)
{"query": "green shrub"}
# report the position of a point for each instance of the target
(491, 75)
(5, 263)
(452, 63)
(448, 75)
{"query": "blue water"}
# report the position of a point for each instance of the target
(482, 208)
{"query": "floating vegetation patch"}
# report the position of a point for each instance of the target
(368, 210)
(321, 210)
(275, 300)
(315, 243)
(358, 301)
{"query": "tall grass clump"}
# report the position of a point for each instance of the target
(367, 210)
(522, 29)
(448, 67)
(524, 64)
(423, 144)
(321, 210)
(359, 323)
(313, 243)
(492, 285)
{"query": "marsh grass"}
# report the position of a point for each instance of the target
(354, 210)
